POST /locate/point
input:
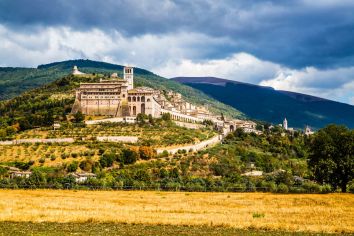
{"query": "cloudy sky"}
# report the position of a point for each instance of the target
(298, 45)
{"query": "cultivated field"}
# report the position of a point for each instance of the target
(256, 211)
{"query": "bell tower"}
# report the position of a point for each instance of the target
(128, 75)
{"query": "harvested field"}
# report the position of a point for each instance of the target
(258, 211)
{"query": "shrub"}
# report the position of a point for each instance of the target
(42, 160)
(282, 188)
(146, 153)
(128, 156)
(326, 188)
(72, 167)
(311, 187)
(86, 165)
(107, 159)
(351, 186)
(74, 155)
(52, 157)
(64, 156)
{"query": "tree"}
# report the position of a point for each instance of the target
(146, 153)
(151, 120)
(166, 116)
(128, 156)
(72, 167)
(140, 118)
(107, 159)
(332, 156)
(79, 117)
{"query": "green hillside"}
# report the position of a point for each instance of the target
(41, 106)
(14, 81)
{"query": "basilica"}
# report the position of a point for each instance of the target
(115, 97)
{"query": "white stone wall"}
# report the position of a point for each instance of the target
(118, 139)
(38, 140)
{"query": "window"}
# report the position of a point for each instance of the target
(143, 98)
(143, 108)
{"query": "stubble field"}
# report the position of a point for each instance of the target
(330, 213)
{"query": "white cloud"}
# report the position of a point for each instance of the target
(334, 84)
(240, 66)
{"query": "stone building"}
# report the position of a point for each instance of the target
(116, 97)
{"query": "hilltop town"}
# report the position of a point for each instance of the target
(117, 97)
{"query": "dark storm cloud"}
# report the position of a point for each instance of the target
(293, 33)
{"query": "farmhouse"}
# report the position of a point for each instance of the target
(19, 174)
(82, 177)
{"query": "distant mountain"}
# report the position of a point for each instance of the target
(268, 104)
(16, 81)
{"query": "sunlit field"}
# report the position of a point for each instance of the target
(256, 211)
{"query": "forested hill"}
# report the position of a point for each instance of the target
(39, 106)
(14, 80)
(268, 104)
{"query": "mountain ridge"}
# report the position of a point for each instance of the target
(270, 105)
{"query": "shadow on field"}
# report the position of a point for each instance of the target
(46, 228)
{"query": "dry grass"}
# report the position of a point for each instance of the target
(295, 212)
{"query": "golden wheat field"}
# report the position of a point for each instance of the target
(292, 212)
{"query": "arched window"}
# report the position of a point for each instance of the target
(134, 110)
(138, 99)
(148, 100)
(134, 99)
(143, 108)
(143, 98)
(129, 99)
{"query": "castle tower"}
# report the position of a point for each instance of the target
(285, 124)
(129, 76)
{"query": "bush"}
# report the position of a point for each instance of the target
(128, 156)
(107, 159)
(74, 155)
(326, 188)
(282, 188)
(146, 153)
(86, 165)
(52, 157)
(351, 186)
(64, 156)
(311, 187)
(42, 160)
(72, 167)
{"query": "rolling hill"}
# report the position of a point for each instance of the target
(268, 104)
(15, 81)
